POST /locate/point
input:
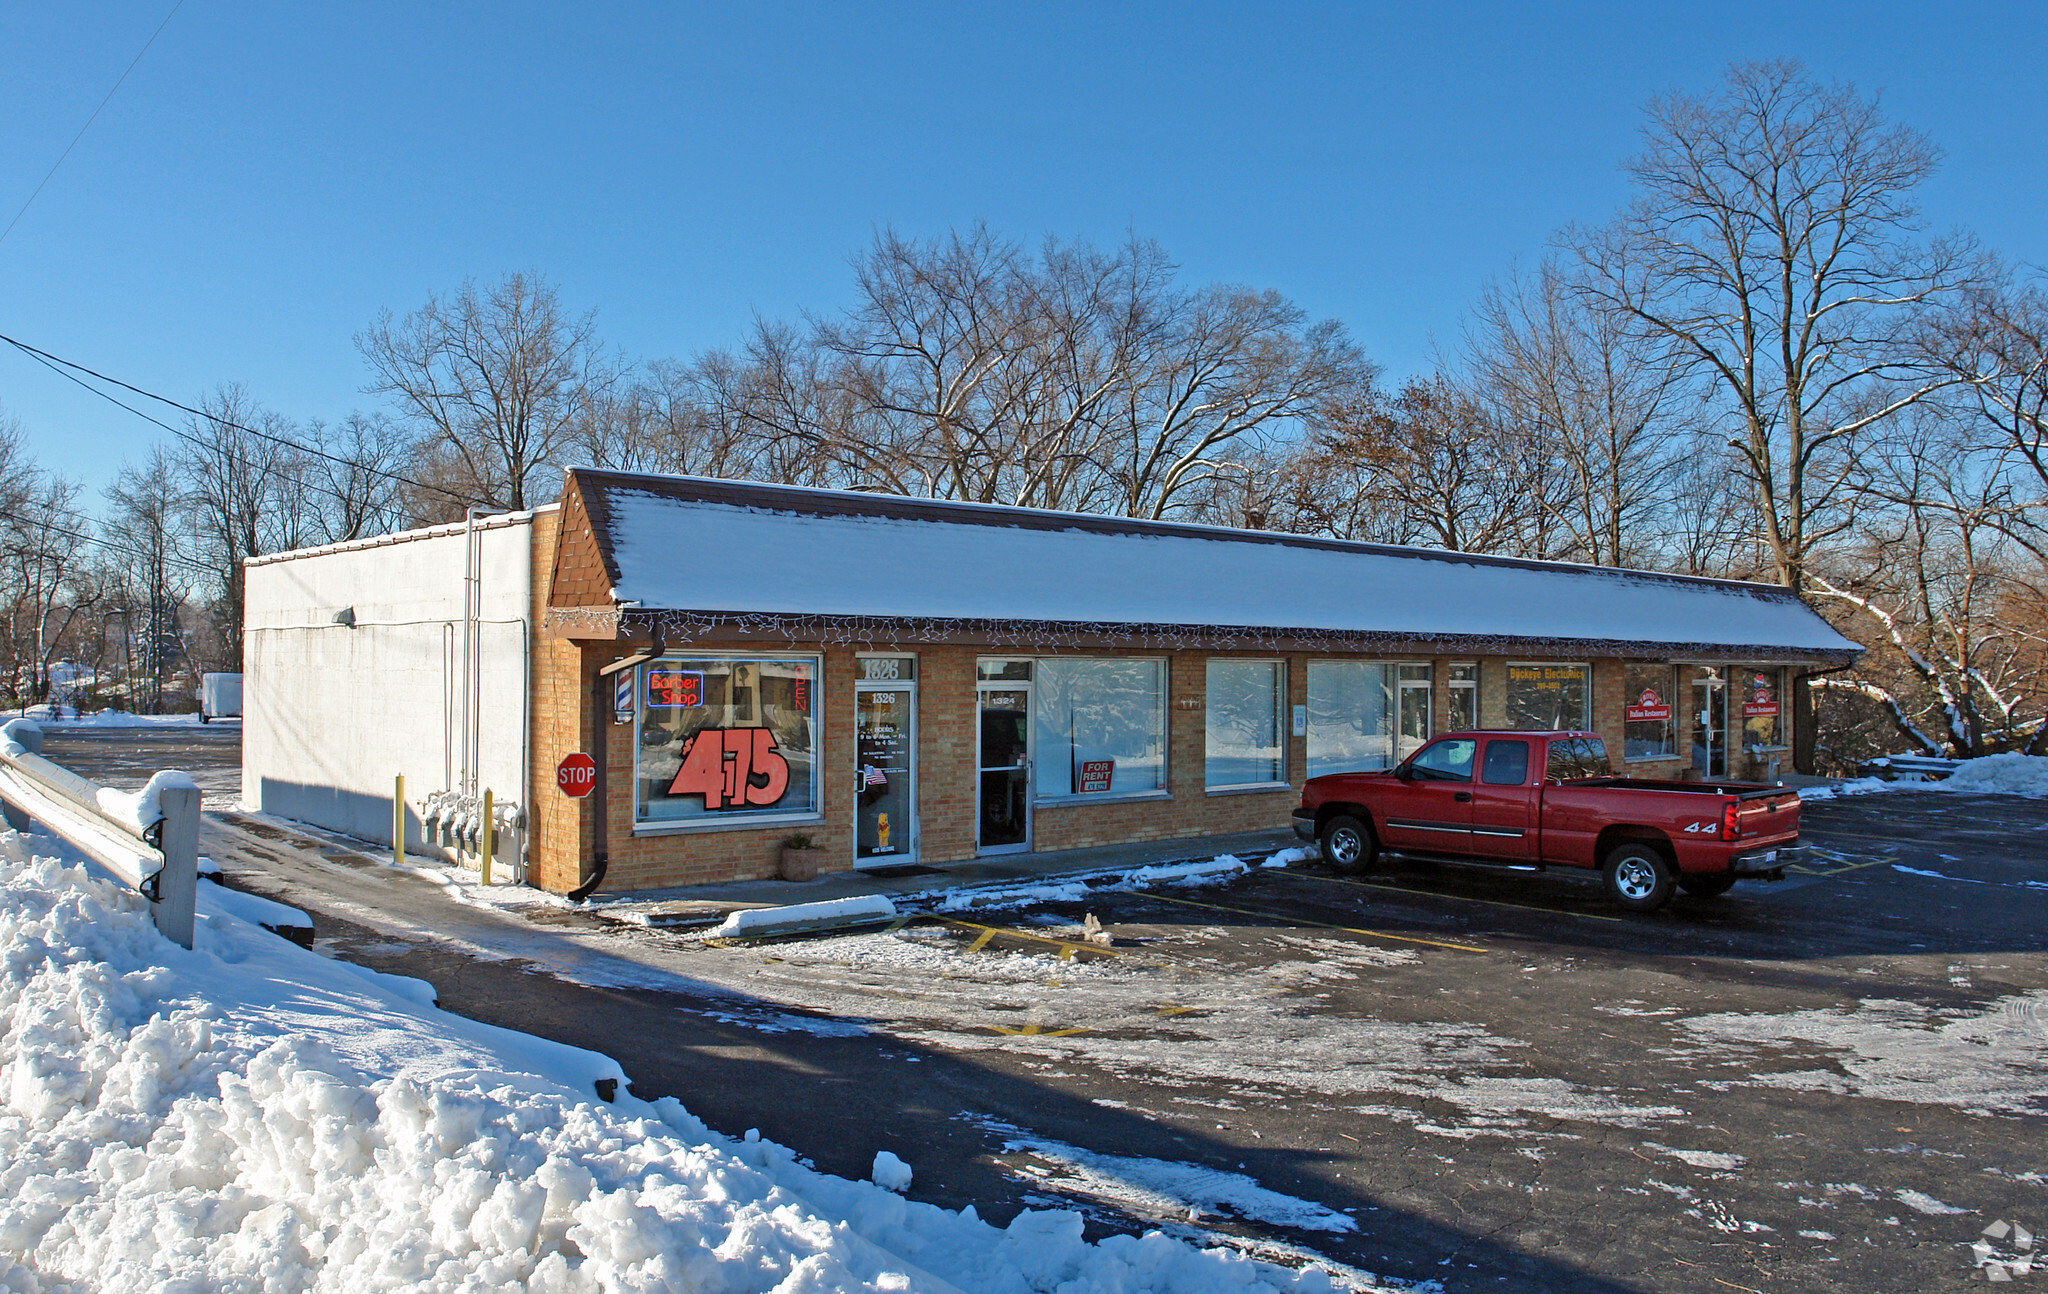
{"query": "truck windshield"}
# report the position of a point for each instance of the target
(1449, 760)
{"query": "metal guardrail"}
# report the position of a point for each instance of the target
(159, 858)
(1925, 766)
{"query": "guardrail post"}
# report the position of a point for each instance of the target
(177, 885)
(30, 737)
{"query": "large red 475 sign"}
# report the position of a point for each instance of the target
(732, 768)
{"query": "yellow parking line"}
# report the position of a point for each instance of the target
(1462, 898)
(1304, 921)
(1035, 1031)
(1837, 871)
(1067, 946)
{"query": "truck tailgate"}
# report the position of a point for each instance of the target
(1768, 815)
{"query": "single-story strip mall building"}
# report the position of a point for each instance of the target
(916, 681)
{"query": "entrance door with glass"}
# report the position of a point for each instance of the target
(1710, 721)
(885, 761)
(1415, 726)
(1002, 810)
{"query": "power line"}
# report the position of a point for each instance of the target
(137, 553)
(57, 364)
(89, 120)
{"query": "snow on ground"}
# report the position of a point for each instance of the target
(111, 718)
(1990, 1060)
(1166, 1189)
(248, 1116)
(1167, 1025)
(2007, 774)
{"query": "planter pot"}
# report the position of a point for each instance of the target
(800, 864)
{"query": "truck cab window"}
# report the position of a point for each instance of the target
(1593, 757)
(1446, 761)
(1507, 763)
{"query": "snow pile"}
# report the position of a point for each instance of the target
(1078, 886)
(143, 809)
(864, 907)
(2008, 774)
(251, 1116)
(890, 1173)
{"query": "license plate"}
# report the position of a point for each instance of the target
(1767, 857)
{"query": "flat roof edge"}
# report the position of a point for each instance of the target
(682, 626)
(498, 521)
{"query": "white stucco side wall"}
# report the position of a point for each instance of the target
(332, 713)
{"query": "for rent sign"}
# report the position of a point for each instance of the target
(1094, 775)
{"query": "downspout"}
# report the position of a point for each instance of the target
(600, 789)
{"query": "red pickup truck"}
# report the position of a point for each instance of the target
(1549, 799)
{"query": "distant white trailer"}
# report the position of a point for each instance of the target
(220, 697)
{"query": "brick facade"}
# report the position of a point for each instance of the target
(946, 744)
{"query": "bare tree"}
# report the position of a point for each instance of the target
(355, 485)
(1775, 242)
(1595, 409)
(1995, 342)
(1429, 466)
(143, 522)
(1225, 366)
(496, 383)
(1949, 596)
(242, 494)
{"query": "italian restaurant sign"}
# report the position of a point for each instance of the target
(1649, 708)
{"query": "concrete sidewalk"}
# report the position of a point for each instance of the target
(708, 904)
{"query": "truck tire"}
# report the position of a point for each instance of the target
(1706, 885)
(1347, 844)
(1638, 877)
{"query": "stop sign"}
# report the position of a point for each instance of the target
(576, 775)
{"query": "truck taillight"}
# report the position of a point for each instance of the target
(1731, 822)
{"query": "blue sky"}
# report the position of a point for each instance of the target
(270, 177)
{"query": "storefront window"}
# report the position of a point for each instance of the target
(1545, 697)
(725, 740)
(1350, 716)
(1088, 713)
(1649, 698)
(1762, 691)
(1243, 742)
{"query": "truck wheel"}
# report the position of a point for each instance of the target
(1638, 878)
(1707, 885)
(1348, 845)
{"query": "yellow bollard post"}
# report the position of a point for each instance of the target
(486, 832)
(398, 821)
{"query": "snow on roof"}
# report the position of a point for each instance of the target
(724, 547)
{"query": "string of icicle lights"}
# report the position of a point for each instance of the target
(899, 632)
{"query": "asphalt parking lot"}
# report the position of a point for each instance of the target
(1492, 1080)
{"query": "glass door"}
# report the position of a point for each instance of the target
(885, 774)
(1414, 696)
(1003, 781)
(1710, 722)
